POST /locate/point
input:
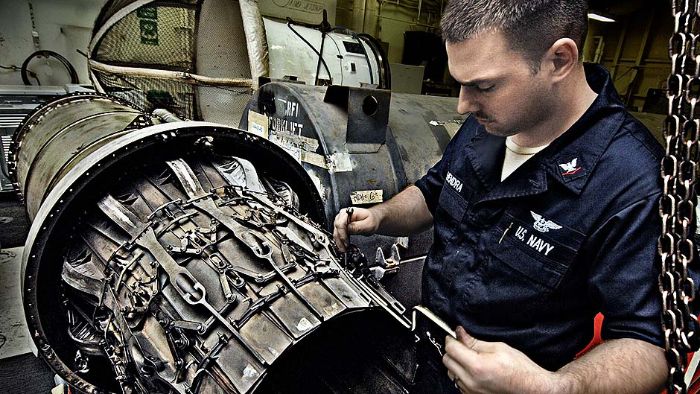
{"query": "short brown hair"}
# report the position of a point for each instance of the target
(531, 26)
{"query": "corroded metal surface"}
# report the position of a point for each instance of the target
(52, 139)
(182, 258)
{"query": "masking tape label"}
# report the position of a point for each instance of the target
(361, 197)
(258, 124)
(314, 158)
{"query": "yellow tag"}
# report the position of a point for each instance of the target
(258, 124)
(314, 158)
(361, 197)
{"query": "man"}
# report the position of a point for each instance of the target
(544, 208)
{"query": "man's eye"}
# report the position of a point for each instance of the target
(485, 88)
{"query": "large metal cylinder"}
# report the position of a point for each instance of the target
(56, 136)
(360, 146)
(202, 59)
(185, 257)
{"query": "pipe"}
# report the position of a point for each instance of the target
(185, 77)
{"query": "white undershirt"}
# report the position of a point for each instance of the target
(516, 155)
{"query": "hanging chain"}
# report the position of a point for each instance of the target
(677, 205)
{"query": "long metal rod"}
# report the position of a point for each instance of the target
(185, 77)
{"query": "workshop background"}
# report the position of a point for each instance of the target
(632, 44)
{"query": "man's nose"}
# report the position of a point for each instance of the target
(466, 102)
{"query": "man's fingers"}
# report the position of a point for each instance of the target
(359, 227)
(457, 373)
(340, 230)
(339, 240)
(361, 222)
(466, 339)
(462, 362)
(466, 357)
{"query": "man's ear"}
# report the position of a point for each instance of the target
(562, 58)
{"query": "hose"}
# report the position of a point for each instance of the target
(289, 24)
(381, 58)
(369, 64)
(25, 73)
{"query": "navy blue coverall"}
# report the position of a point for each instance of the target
(529, 261)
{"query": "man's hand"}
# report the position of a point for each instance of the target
(404, 214)
(493, 367)
(363, 221)
(623, 365)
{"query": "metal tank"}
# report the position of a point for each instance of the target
(324, 55)
(52, 139)
(360, 146)
(202, 59)
(190, 257)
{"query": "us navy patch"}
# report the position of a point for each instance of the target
(536, 243)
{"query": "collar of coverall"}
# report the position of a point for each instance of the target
(569, 159)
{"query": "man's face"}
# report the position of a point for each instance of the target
(498, 85)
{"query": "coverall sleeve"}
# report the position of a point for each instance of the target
(431, 183)
(624, 280)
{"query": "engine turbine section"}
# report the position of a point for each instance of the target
(184, 258)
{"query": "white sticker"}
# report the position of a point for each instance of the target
(366, 197)
(314, 158)
(294, 152)
(340, 162)
(299, 141)
(258, 124)
(310, 144)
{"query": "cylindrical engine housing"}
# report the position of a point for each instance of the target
(56, 136)
(186, 257)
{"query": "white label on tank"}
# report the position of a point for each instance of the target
(309, 144)
(367, 197)
(284, 144)
(258, 124)
(314, 158)
(299, 141)
(340, 162)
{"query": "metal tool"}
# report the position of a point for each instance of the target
(348, 212)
